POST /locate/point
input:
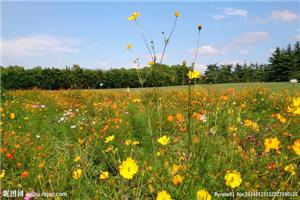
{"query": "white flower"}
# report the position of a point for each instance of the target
(294, 81)
(73, 126)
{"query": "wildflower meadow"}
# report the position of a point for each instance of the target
(196, 141)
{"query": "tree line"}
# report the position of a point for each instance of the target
(284, 64)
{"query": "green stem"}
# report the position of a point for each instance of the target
(167, 41)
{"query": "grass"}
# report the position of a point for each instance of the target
(60, 141)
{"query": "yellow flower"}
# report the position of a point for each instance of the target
(163, 195)
(291, 168)
(128, 168)
(77, 173)
(296, 147)
(251, 124)
(271, 143)
(109, 139)
(164, 140)
(41, 164)
(2, 174)
(151, 63)
(128, 46)
(177, 179)
(104, 175)
(174, 169)
(77, 158)
(193, 75)
(280, 118)
(295, 106)
(233, 179)
(177, 13)
(203, 195)
(134, 16)
(12, 115)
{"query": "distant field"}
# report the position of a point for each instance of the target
(112, 144)
(274, 86)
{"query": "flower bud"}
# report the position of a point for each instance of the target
(177, 13)
(199, 27)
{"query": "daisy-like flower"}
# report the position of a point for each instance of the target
(128, 168)
(24, 174)
(151, 63)
(77, 173)
(163, 195)
(193, 75)
(290, 168)
(296, 147)
(164, 140)
(12, 115)
(104, 175)
(233, 179)
(203, 195)
(294, 108)
(271, 143)
(134, 16)
(294, 81)
(177, 179)
(109, 139)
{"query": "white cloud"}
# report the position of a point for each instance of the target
(38, 45)
(205, 50)
(200, 67)
(219, 17)
(235, 12)
(251, 38)
(297, 37)
(284, 15)
(244, 52)
(231, 62)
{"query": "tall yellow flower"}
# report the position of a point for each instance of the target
(203, 195)
(233, 179)
(295, 106)
(296, 147)
(281, 118)
(104, 175)
(134, 16)
(193, 75)
(128, 168)
(271, 143)
(164, 140)
(109, 139)
(177, 13)
(291, 168)
(77, 173)
(163, 195)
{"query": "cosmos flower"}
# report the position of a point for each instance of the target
(109, 139)
(177, 179)
(2, 174)
(294, 108)
(271, 143)
(233, 179)
(12, 115)
(128, 168)
(134, 16)
(104, 175)
(163, 195)
(203, 195)
(77, 173)
(290, 168)
(296, 147)
(24, 174)
(77, 158)
(164, 140)
(193, 75)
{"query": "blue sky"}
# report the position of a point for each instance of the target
(95, 34)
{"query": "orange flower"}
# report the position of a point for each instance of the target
(24, 174)
(9, 156)
(179, 117)
(40, 148)
(170, 118)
